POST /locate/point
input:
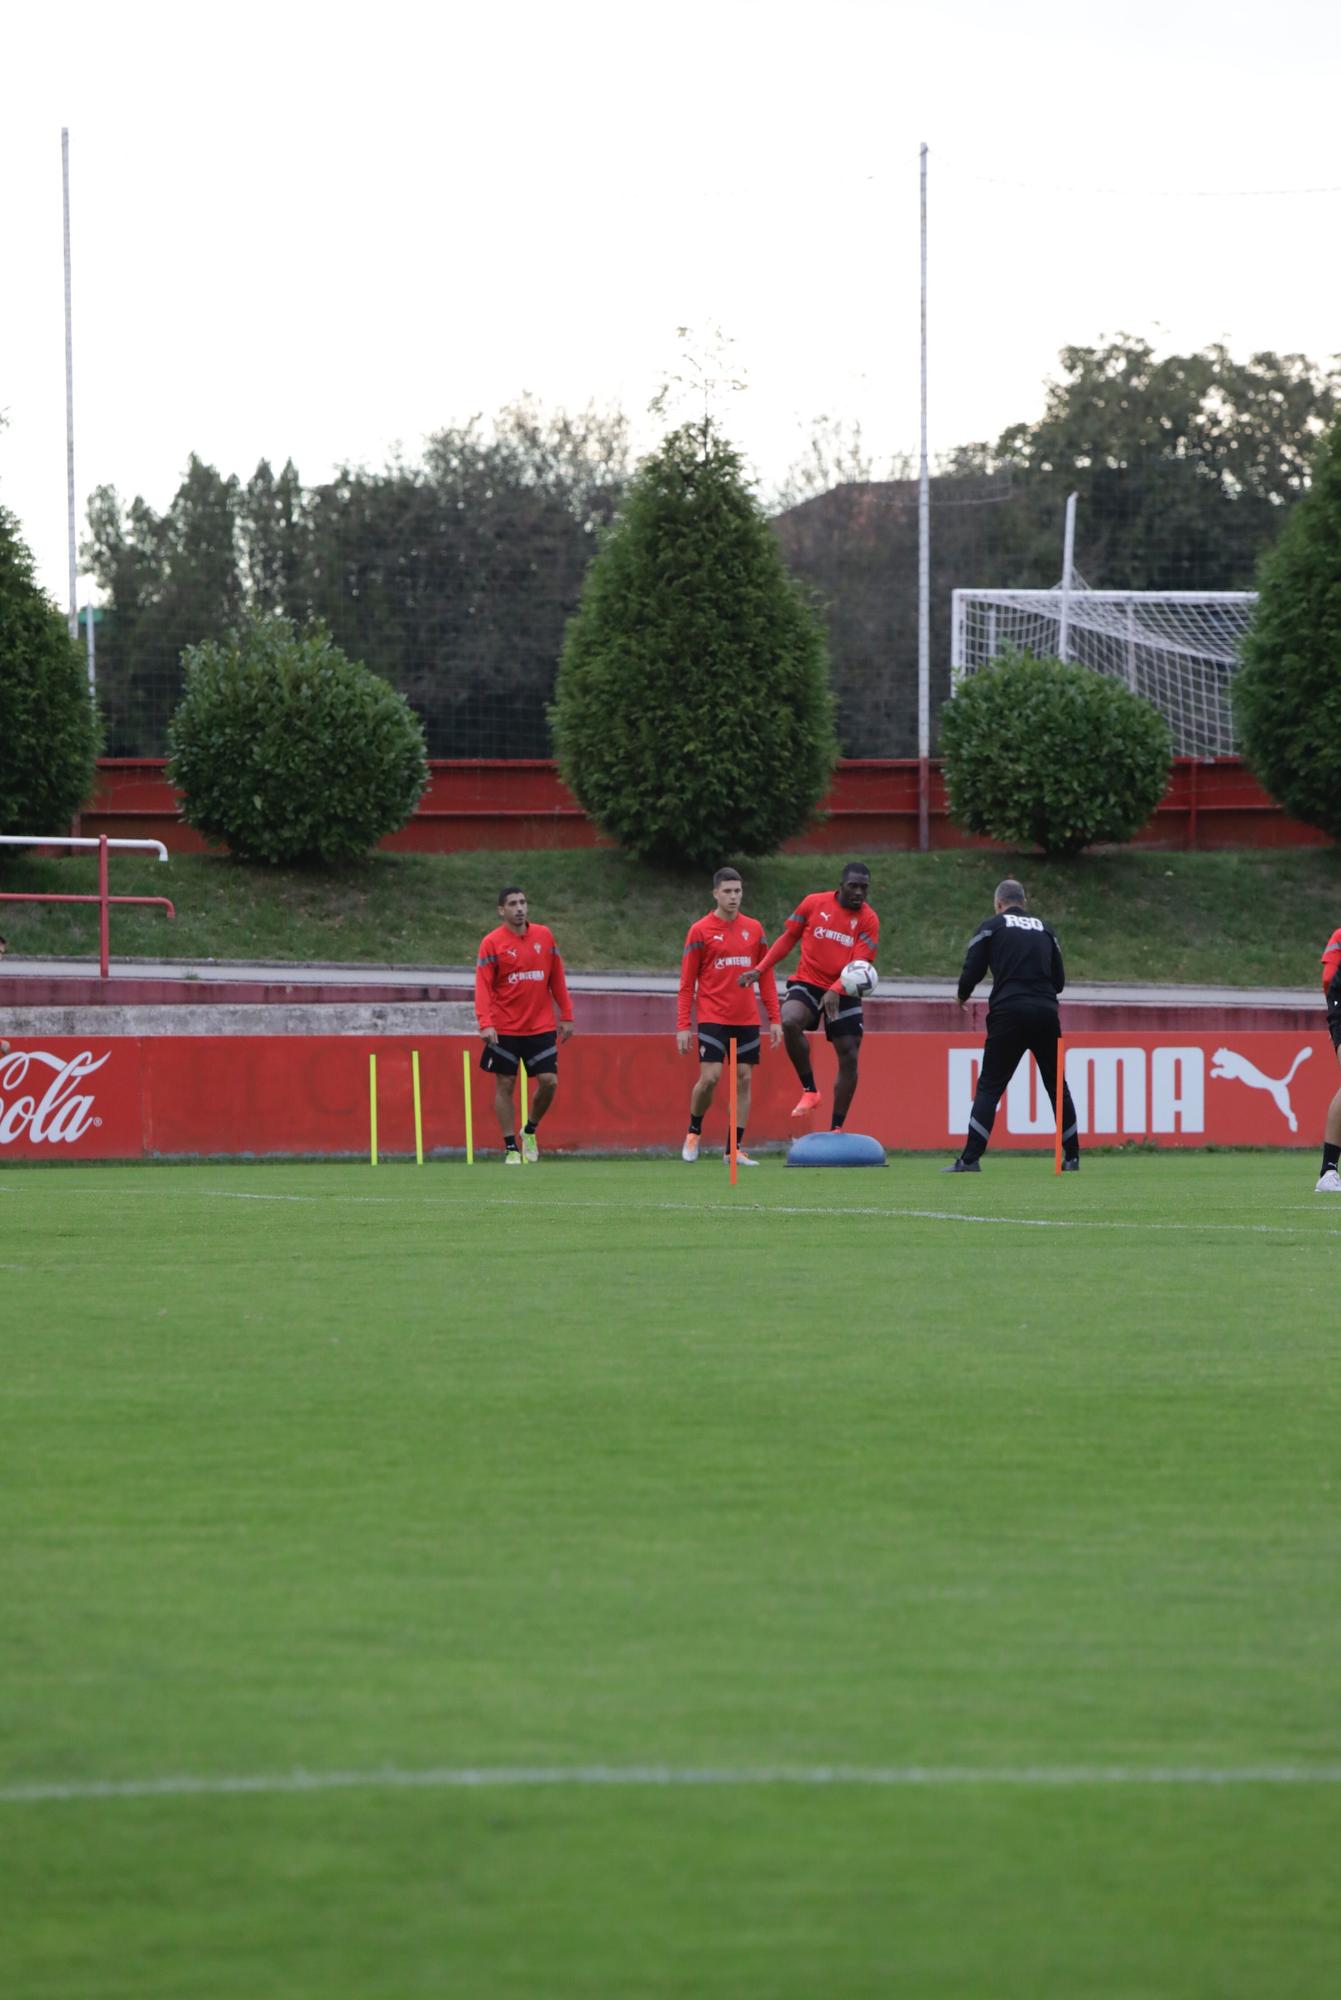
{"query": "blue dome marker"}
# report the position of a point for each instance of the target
(836, 1149)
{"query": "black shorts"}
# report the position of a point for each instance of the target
(1334, 1027)
(713, 1037)
(847, 1025)
(540, 1053)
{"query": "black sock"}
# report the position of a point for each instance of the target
(807, 1079)
(740, 1135)
(1330, 1156)
(837, 1125)
(529, 1126)
(695, 1124)
(509, 1142)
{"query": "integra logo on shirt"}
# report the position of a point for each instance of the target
(513, 977)
(837, 937)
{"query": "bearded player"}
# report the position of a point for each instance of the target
(833, 927)
(519, 984)
(716, 948)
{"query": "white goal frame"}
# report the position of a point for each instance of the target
(1178, 648)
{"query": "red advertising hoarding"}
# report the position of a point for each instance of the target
(183, 1096)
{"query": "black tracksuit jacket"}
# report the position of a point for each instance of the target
(1024, 958)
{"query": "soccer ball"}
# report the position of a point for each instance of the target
(859, 977)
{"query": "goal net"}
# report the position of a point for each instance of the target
(1178, 648)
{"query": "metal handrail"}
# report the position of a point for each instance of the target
(104, 899)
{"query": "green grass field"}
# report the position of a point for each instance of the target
(975, 1543)
(1236, 919)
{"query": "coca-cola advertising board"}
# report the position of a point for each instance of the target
(71, 1099)
(128, 1098)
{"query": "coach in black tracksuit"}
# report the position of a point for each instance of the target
(1025, 960)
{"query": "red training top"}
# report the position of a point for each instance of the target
(716, 952)
(1331, 960)
(519, 981)
(831, 937)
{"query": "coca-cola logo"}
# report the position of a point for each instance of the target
(51, 1110)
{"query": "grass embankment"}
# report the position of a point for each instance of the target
(1244, 918)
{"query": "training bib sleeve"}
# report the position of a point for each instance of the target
(485, 963)
(787, 940)
(558, 987)
(690, 961)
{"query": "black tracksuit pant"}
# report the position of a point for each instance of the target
(1013, 1032)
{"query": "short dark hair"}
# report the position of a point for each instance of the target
(725, 875)
(1010, 891)
(853, 868)
(509, 889)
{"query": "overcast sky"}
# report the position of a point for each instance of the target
(322, 231)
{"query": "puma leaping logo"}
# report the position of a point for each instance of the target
(1228, 1063)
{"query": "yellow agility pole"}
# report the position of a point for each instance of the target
(525, 1095)
(470, 1120)
(372, 1108)
(418, 1110)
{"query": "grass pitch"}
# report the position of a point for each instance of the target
(846, 1584)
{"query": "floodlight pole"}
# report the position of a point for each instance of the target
(924, 575)
(69, 390)
(1068, 576)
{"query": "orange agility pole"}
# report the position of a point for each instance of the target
(1059, 1090)
(732, 1140)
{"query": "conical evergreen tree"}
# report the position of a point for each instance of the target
(49, 732)
(692, 713)
(1287, 694)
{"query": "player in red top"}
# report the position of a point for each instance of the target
(519, 983)
(833, 927)
(715, 950)
(1330, 1179)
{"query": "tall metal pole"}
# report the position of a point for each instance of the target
(1068, 572)
(924, 576)
(69, 390)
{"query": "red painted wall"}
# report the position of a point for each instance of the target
(163, 1096)
(872, 804)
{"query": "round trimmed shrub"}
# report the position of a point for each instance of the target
(1038, 751)
(49, 731)
(692, 714)
(289, 751)
(1287, 693)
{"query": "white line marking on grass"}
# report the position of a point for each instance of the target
(741, 1208)
(916, 1215)
(667, 1776)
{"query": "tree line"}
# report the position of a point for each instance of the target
(455, 576)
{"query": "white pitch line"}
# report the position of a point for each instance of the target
(913, 1214)
(736, 1208)
(530, 1777)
